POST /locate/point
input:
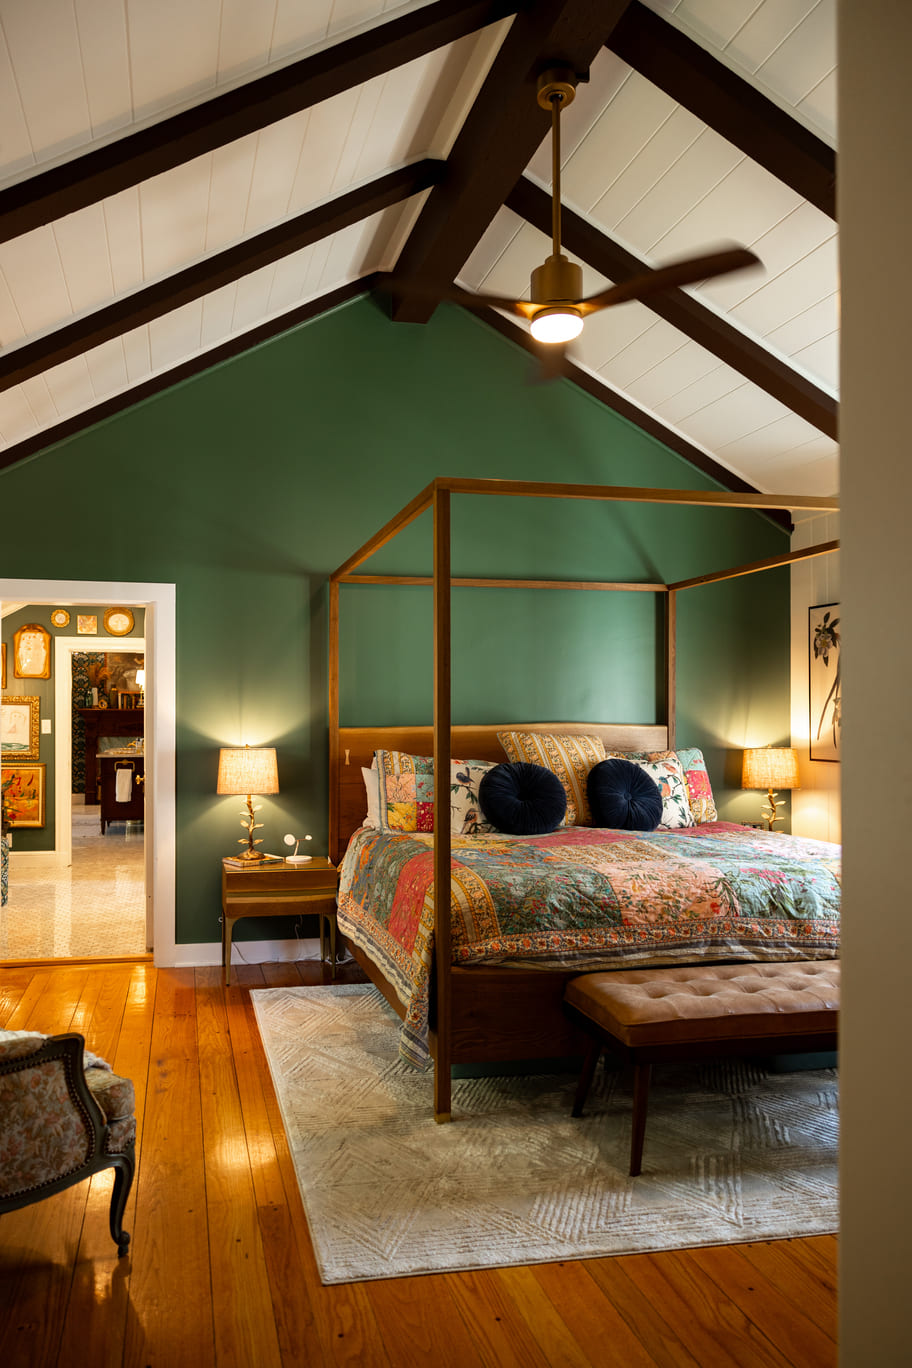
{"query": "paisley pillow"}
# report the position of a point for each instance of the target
(569, 756)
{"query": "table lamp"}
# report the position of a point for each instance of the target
(248, 770)
(770, 768)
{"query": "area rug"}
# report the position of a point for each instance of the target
(734, 1151)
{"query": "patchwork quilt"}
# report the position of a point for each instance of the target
(587, 898)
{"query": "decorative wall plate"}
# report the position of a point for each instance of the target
(118, 621)
(60, 617)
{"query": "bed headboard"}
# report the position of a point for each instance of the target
(357, 746)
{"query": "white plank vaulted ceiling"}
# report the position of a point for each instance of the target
(79, 75)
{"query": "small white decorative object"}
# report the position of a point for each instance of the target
(295, 858)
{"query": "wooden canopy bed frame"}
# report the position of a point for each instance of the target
(493, 1013)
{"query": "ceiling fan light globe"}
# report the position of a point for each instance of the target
(557, 324)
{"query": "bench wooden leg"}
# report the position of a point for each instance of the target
(585, 1083)
(641, 1076)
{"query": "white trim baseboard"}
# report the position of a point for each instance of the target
(245, 952)
(36, 860)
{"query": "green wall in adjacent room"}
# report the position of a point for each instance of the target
(247, 485)
(44, 838)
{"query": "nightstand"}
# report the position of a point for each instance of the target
(276, 889)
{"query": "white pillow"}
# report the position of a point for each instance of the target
(371, 777)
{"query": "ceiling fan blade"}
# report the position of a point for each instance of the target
(469, 299)
(670, 277)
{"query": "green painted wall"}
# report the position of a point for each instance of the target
(248, 484)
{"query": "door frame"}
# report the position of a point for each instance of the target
(159, 719)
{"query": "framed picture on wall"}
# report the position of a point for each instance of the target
(824, 646)
(32, 652)
(23, 794)
(19, 728)
(3, 685)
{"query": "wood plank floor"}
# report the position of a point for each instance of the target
(222, 1271)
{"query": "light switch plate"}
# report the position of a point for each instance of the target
(45, 726)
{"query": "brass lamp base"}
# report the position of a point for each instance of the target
(248, 820)
(769, 813)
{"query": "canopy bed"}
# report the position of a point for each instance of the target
(463, 997)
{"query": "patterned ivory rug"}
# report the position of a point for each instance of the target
(733, 1151)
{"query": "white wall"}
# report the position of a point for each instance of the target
(875, 212)
(816, 807)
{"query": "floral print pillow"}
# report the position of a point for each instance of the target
(696, 778)
(669, 776)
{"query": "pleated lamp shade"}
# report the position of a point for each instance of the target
(248, 769)
(773, 767)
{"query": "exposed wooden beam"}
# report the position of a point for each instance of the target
(677, 307)
(498, 138)
(215, 271)
(646, 422)
(727, 103)
(96, 175)
(71, 427)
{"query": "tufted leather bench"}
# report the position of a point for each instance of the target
(651, 1016)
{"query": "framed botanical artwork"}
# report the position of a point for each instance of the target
(825, 689)
(60, 618)
(118, 621)
(32, 652)
(23, 794)
(19, 728)
(86, 624)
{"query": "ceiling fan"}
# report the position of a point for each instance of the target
(557, 309)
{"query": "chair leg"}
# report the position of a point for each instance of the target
(123, 1165)
(641, 1076)
(593, 1050)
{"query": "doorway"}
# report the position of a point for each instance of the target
(159, 647)
(100, 878)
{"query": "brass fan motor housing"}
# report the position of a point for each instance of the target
(557, 281)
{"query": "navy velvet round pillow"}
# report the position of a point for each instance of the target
(522, 799)
(624, 796)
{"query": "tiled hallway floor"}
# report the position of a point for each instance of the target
(97, 907)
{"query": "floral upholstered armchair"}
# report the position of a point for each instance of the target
(63, 1116)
